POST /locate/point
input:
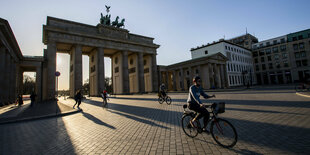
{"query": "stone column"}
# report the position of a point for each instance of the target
(190, 76)
(222, 75)
(174, 80)
(100, 71)
(51, 69)
(181, 79)
(154, 74)
(76, 70)
(2, 75)
(211, 75)
(13, 81)
(7, 78)
(218, 75)
(167, 79)
(125, 73)
(39, 83)
(207, 77)
(141, 73)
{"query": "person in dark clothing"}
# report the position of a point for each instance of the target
(20, 100)
(195, 104)
(104, 96)
(78, 99)
(32, 98)
(163, 90)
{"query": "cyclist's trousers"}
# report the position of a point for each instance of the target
(201, 112)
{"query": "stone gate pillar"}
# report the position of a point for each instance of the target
(7, 77)
(141, 73)
(125, 73)
(2, 75)
(51, 69)
(181, 80)
(76, 70)
(154, 74)
(39, 83)
(100, 71)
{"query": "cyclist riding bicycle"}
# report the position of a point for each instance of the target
(163, 90)
(196, 105)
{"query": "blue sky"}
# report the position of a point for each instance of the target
(176, 25)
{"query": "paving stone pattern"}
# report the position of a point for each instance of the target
(267, 122)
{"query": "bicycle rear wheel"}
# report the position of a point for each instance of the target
(188, 129)
(168, 100)
(161, 100)
(224, 133)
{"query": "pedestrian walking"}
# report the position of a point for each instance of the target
(104, 96)
(32, 98)
(78, 99)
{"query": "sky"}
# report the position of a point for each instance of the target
(176, 25)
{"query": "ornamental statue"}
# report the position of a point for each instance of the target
(106, 20)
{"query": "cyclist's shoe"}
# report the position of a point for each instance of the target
(206, 131)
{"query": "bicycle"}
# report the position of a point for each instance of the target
(222, 131)
(162, 99)
(105, 103)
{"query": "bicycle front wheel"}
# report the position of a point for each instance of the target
(168, 100)
(224, 133)
(160, 100)
(188, 129)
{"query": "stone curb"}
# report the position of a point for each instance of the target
(301, 94)
(42, 117)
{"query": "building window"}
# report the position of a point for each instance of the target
(226, 47)
(269, 58)
(301, 46)
(228, 67)
(282, 40)
(302, 54)
(267, 43)
(268, 51)
(294, 38)
(255, 54)
(257, 68)
(276, 57)
(283, 47)
(144, 62)
(261, 45)
(262, 59)
(131, 61)
(263, 67)
(261, 52)
(116, 60)
(284, 55)
(92, 58)
(297, 55)
(246, 43)
(298, 63)
(197, 72)
(270, 66)
(206, 51)
(275, 49)
(295, 46)
(256, 60)
(278, 65)
(285, 62)
(300, 37)
(275, 42)
(304, 62)
(230, 82)
(187, 72)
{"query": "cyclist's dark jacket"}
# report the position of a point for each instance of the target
(194, 94)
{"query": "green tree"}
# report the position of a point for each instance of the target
(29, 84)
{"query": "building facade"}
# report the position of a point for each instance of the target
(211, 69)
(246, 40)
(239, 63)
(283, 59)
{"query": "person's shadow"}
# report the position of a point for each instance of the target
(96, 120)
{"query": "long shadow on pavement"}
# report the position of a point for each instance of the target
(287, 138)
(48, 136)
(96, 120)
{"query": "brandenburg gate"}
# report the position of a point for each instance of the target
(133, 57)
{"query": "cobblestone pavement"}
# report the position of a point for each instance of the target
(268, 121)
